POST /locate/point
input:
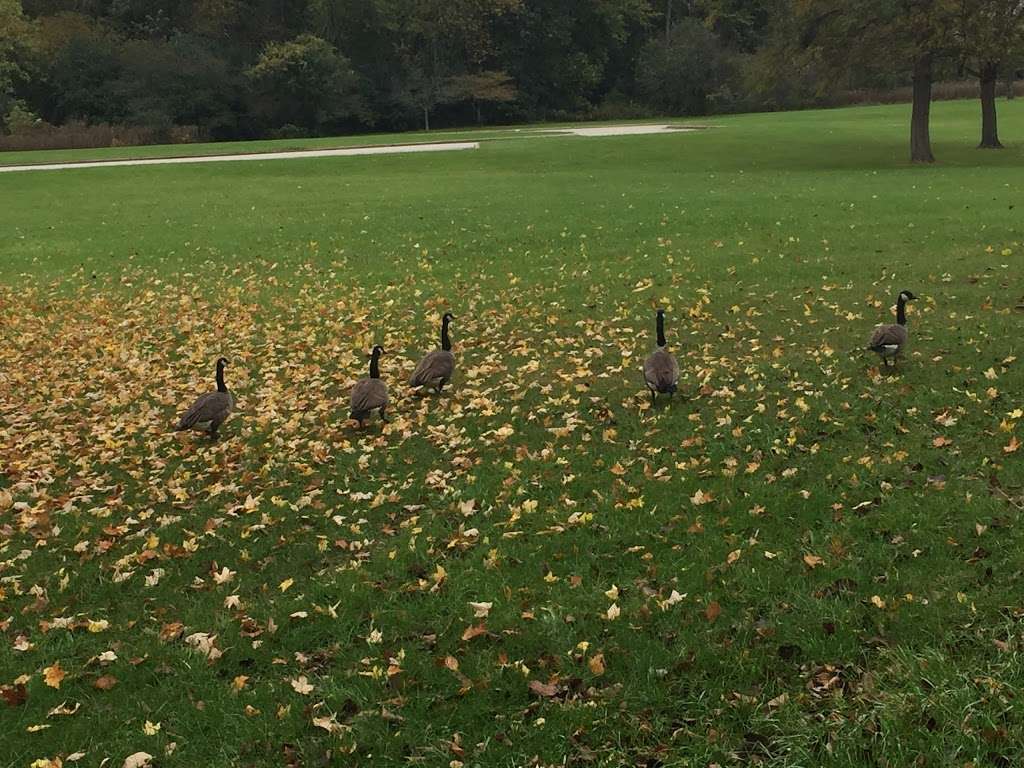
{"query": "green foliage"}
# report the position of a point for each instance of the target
(16, 43)
(306, 81)
(678, 75)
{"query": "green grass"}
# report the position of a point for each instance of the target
(776, 242)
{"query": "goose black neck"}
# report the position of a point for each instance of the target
(901, 311)
(446, 343)
(375, 365)
(661, 330)
(221, 387)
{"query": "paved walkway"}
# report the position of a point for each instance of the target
(381, 150)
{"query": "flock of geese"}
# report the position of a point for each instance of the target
(661, 373)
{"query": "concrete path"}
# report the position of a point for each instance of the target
(306, 153)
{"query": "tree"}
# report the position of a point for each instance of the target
(992, 32)
(306, 82)
(494, 87)
(903, 34)
(15, 46)
(678, 75)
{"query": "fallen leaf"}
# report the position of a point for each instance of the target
(105, 683)
(544, 690)
(138, 760)
(53, 675)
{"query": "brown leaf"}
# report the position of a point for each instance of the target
(712, 611)
(171, 631)
(14, 695)
(596, 664)
(813, 561)
(471, 632)
(105, 683)
(544, 690)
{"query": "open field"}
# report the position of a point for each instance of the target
(800, 561)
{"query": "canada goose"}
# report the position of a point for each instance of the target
(370, 394)
(661, 371)
(888, 340)
(436, 368)
(209, 411)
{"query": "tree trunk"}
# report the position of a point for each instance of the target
(426, 119)
(668, 20)
(920, 139)
(1009, 82)
(989, 128)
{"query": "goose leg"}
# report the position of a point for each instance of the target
(382, 416)
(654, 398)
(440, 385)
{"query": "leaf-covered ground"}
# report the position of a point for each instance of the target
(802, 560)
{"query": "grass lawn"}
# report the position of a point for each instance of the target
(800, 561)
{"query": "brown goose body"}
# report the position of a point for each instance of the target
(211, 410)
(436, 368)
(370, 394)
(888, 341)
(661, 371)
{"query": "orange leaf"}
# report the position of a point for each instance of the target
(596, 664)
(813, 561)
(54, 675)
(1013, 446)
(713, 611)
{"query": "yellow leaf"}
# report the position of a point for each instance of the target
(596, 664)
(284, 585)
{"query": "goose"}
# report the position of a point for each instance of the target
(888, 340)
(370, 394)
(209, 411)
(661, 371)
(435, 369)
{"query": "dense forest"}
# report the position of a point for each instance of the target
(228, 69)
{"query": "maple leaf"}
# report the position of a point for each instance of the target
(302, 685)
(700, 498)
(1012, 446)
(813, 561)
(474, 631)
(54, 675)
(596, 664)
(138, 760)
(481, 610)
(613, 612)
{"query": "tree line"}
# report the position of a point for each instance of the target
(235, 69)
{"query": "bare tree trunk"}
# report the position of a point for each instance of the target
(426, 119)
(668, 20)
(989, 127)
(920, 138)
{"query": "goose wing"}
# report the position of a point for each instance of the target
(368, 394)
(435, 365)
(888, 336)
(213, 406)
(661, 371)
